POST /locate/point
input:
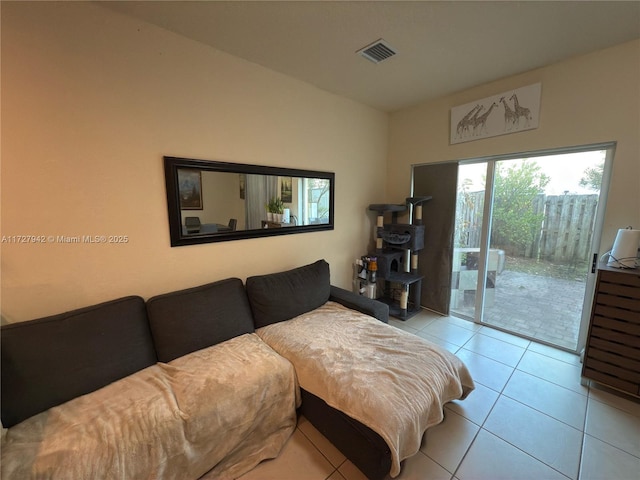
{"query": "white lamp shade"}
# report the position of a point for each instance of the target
(625, 249)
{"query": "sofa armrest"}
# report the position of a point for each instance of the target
(362, 304)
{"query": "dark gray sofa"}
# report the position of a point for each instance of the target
(309, 287)
(49, 361)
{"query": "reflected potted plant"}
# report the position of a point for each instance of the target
(269, 208)
(275, 209)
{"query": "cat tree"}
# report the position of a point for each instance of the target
(394, 265)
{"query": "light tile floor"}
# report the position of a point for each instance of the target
(529, 417)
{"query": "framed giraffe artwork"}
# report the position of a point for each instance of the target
(508, 112)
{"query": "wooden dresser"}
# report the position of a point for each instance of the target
(612, 354)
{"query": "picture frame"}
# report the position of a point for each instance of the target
(286, 189)
(505, 113)
(190, 189)
(243, 187)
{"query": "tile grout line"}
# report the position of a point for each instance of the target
(584, 430)
(335, 468)
(543, 413)
(482, 427)
(589, 400)
(485, 418)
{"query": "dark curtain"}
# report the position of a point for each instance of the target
(435, 259)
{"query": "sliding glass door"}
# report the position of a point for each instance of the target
(526, 232)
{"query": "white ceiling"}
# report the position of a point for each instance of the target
(443, 47)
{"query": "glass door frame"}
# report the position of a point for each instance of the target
(483, 257)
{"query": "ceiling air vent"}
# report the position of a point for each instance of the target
(377, 51)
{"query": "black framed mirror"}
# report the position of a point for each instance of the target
(211, 201)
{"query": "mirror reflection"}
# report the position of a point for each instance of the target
(215, 201)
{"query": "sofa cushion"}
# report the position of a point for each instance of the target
(188, 320)
(281, 296)
(49, 361)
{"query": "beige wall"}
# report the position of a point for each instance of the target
(589, 99)
(220, 199)
(92, 100)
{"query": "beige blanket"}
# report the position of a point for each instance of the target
(392, 381)
(226, 408)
